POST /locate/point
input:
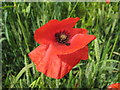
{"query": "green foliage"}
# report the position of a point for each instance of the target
(21, 19)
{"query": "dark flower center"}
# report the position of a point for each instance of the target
(62, 37)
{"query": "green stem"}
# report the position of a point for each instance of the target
(113, 46)
(73, 9)
(57, 83)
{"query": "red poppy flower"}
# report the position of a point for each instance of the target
(107, 1)
(62, 47)
(115, 86)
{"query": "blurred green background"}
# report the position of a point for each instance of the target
(21, 19)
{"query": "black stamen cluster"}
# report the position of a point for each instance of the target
(61, 40)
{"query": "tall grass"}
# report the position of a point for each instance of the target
(21, 19)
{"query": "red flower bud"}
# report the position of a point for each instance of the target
(115, 86)
(107, 1)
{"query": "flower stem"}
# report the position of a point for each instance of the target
(57, 83)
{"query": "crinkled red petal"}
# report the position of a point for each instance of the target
(38, 54)
(55, 66)
(46, 33)
(46, 60)
(70, 60)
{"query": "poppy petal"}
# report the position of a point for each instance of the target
(45, 34)
(46, 61)
(107, 1)
(73, 58)
(74, 31)
(37, 54)
(69, 22)
(70, 60)
(80, 30)
(51, 66)
(77, 42)
(84, 53)
(49, 63)
(113, 86)
(55, 66)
